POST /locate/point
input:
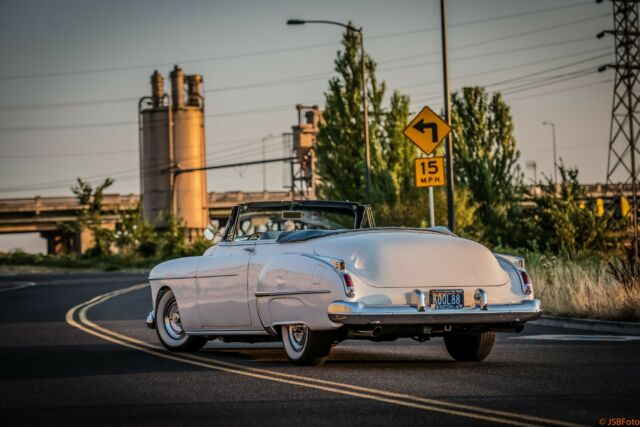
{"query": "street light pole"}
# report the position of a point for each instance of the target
(555, 158)
(365, 106)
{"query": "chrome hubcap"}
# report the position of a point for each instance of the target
(171, 320)
(297, 336)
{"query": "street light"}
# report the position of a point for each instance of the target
(364, 94)
(531, 164)
(555, 161)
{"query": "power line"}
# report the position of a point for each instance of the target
(272, 51)
(527, 64)
(214, 145)
(558, 78)
(264, 110)
(547, 81)
(136, 171)
(292, 79)
(537, 73)
(553, 92)
(569, 147)
(319, 76)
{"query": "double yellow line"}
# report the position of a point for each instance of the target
(468, 411)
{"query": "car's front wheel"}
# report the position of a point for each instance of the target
(169, 326)
(469, 347)
(304, 346)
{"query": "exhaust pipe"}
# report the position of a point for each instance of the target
(374, 333)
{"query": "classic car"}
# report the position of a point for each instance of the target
(315, 273)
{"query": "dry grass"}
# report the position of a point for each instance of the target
(583, 289)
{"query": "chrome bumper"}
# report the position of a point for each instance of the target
(151, 320)
(357, 313)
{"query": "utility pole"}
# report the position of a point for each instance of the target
(531, 164)
(448, 143)
(264, 164)
(555, 157)
(625, 122)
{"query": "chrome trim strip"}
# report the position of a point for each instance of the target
(222, 332)
(218, 275)
(194, 277)
(281, 293)
(357, 313)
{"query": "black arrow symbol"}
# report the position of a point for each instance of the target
(421, 126)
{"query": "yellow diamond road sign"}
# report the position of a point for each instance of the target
(427, 130)
(430, 172)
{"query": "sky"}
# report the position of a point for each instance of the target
(72, 71)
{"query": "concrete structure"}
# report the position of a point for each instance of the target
(172, 138)
(304, 179)
(47, 215)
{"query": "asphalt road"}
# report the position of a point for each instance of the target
(98, 364)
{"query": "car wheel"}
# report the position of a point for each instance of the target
(469, 347)
(304, 346)
(169, 326)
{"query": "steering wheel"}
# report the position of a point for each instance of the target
(255, 236)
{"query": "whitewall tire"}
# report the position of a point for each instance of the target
(304, 346)
(169, 326)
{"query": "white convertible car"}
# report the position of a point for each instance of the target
(314, 273)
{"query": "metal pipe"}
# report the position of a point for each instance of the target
(172, 167)
(140, 142)
(178, 171)
(374, 333)
(448, 143)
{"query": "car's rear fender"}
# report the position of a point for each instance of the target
(298, 288)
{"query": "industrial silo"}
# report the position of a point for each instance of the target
(189, 151)
(155, 153)
(173, 141)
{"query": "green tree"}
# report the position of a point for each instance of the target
(90, 216)
(171, 242)
(340, 146)
(570, 222)
(485, 161)
(134, 235)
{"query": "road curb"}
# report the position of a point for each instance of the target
(632, 328)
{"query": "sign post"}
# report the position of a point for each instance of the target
(427, 130)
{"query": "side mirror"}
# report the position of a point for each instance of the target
(208, 234)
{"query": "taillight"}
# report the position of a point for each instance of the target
(348, 285)
(527, 288)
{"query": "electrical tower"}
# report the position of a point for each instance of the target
(625, 117)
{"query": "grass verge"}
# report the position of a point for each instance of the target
(582, 288)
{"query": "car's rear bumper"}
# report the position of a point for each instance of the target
(357, 313)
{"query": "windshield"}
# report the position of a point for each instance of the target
(267, 224)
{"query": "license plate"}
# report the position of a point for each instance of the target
(446, 298)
